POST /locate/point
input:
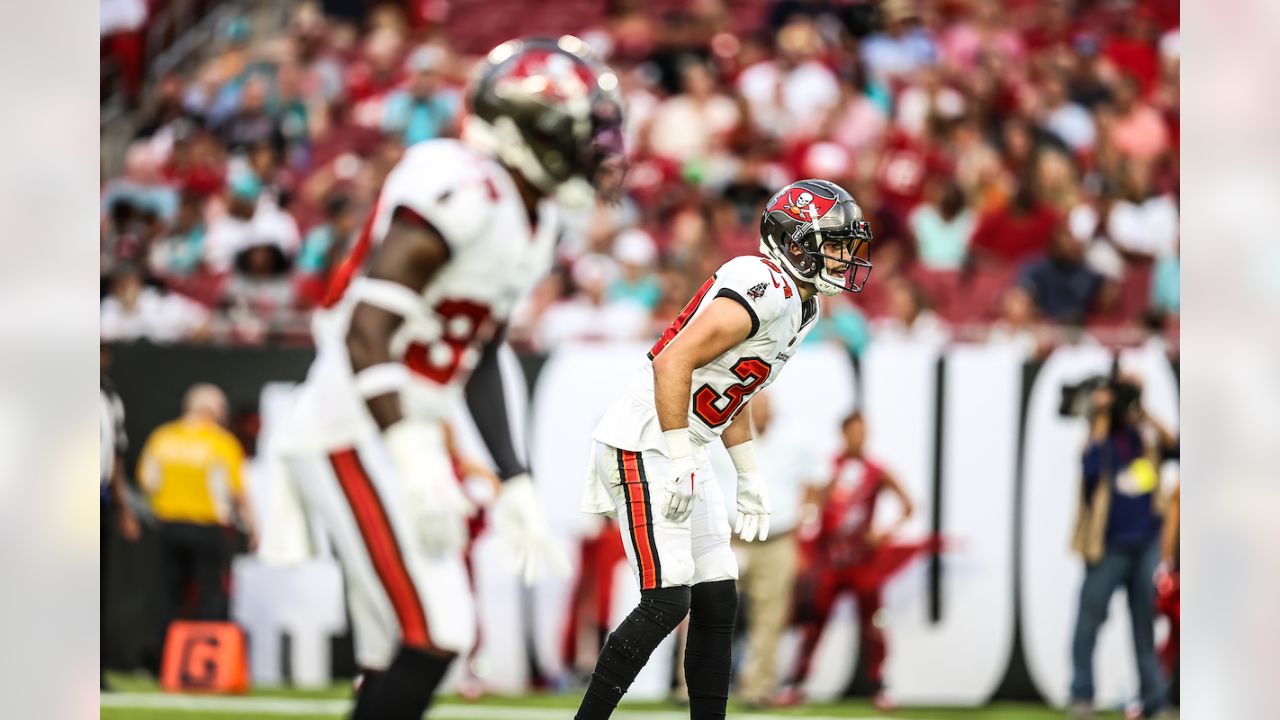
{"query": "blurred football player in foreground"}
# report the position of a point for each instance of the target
(460, 232)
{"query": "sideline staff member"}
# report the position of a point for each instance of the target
(191, 473)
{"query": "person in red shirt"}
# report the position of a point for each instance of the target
(1016, 232)
(850, 552)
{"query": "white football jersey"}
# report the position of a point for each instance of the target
(495, 258)
(721, 388)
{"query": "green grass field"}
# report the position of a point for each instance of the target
(139, 700)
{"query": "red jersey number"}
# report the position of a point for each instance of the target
(752, 371)
(462, 322)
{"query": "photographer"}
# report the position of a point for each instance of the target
(1118, 533)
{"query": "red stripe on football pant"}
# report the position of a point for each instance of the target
(645, 551)
(384, 551)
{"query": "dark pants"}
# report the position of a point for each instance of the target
(107, 519)
(195, 554)
(1133, 570)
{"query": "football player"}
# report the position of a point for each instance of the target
(413, 321)
(650, 465)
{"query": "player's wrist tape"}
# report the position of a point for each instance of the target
(677, 443)
(381, 379)
(743, 456)
(386, 295)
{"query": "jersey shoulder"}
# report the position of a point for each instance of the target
(451, 185)
(758, 285)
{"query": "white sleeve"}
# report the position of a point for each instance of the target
(751, 282)
(446, 186)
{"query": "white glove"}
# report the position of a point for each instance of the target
(439, 506)
(681, 487)
(753, 496)
(523, 531)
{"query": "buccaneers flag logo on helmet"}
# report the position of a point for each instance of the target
(801, 204)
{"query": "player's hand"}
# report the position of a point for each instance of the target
(130, 528)
(681, 489)
(522, 530)
(753, 507)
(439, 506)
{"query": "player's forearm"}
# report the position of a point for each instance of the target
(377, 376)
(672, 387)
(738, 431)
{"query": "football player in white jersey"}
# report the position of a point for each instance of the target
(650, 464)
(460, 231)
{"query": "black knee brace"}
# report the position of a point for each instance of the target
(629, 647)
(708, 651)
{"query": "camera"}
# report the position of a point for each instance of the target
(1077, 398)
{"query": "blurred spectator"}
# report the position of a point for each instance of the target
(229, 233)
(426, 109)
(191, 472)
(251, 124)
(927, 100)
(841, 322)
(1117, 534)
(1063, 287)
(1015, 232)
(142, 185)
(1133, 50)
(984, 30)
(327, 242)
(1137, 131)
(1166, 284)
(859, 122)
(587, 315)
(134, 311)
(120, 25)
(260, 284)
(793, 471)
(790, 95)
(181, 252)
(693, 124)
(910, 319)
(1018, 326)
(1142, 222)
(942, 227)
(1067, 120)
(901, 47)
(635, 252)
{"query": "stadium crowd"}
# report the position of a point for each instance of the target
(1017, 159)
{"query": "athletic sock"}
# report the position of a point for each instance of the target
(629, 647)
(708, 652)
(405, 689)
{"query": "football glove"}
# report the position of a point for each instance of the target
(753, 496)
(681, 487)
(440, 508)
(523, 532)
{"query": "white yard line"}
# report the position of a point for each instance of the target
(266, 705)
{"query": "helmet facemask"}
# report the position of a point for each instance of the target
(831, 251)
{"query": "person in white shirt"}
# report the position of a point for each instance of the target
(693, 124)
(792, 469)
(588, 315)
(790, 95)
(135, 312)
(1070, 122)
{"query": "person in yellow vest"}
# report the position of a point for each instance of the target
(191, 472)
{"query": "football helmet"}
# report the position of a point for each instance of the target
(816, 230)
(549, 109)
